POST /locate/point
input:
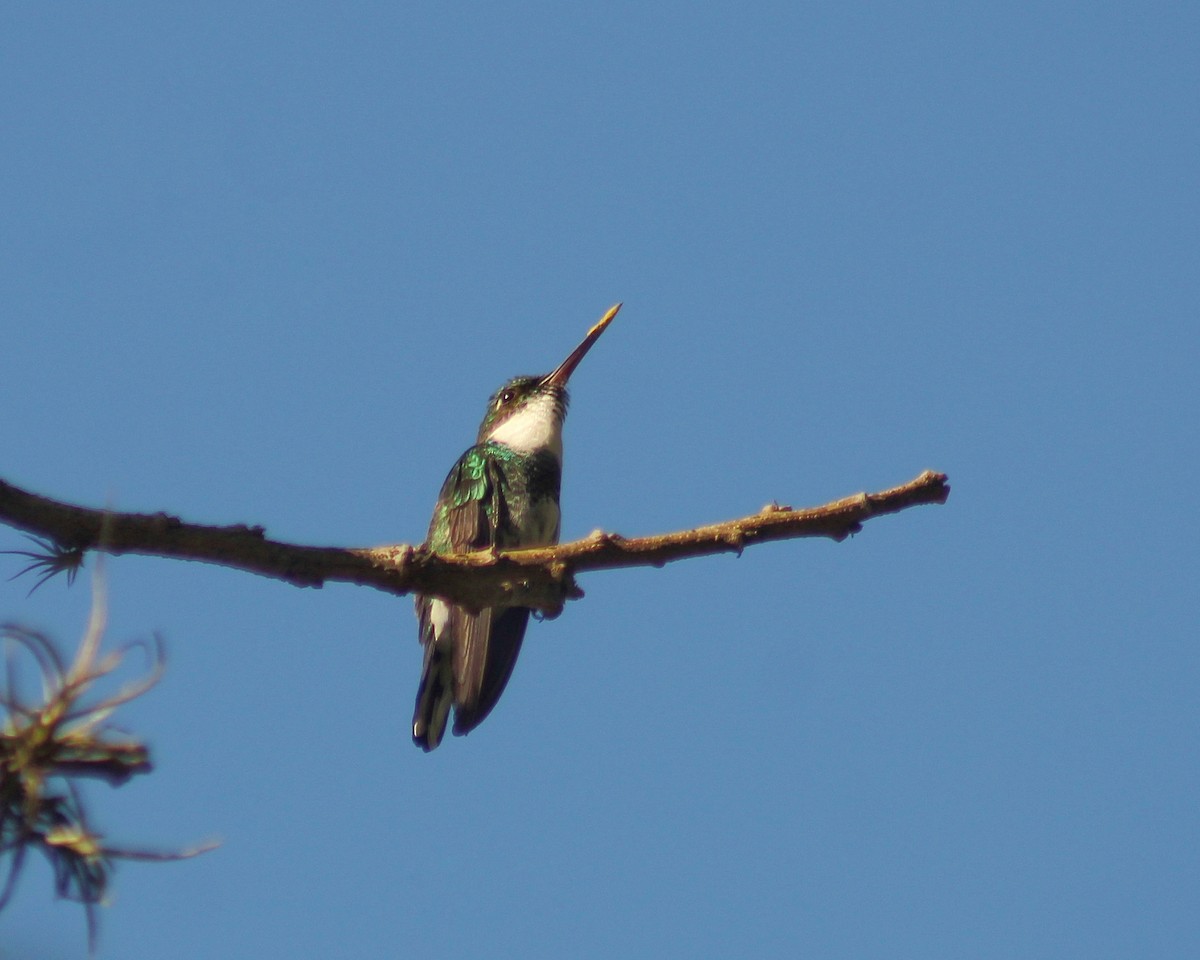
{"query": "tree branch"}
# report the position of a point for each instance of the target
(541, 578)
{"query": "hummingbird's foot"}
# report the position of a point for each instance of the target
(568, 589)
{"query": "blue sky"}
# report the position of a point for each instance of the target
(264, 263)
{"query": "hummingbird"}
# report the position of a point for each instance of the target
(501, 494)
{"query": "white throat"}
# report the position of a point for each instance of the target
(536, 426)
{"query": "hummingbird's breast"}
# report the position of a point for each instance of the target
(541, 527)
(533, 482)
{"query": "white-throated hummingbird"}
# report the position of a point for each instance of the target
(501, 494)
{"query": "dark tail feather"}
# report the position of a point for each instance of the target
(503, 646)
(434, 697)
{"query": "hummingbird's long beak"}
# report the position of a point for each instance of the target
(560, 376)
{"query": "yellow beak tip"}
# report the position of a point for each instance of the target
(604, 321)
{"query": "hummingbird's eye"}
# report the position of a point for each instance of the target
(507, 396)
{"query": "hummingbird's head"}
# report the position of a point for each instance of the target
(527, 413)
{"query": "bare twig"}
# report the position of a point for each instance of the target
(542, 578)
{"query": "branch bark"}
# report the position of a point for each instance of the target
(541, 578)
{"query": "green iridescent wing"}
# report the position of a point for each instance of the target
(471, 507)
(474, 653)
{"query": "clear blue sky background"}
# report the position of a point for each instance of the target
(264, 262)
